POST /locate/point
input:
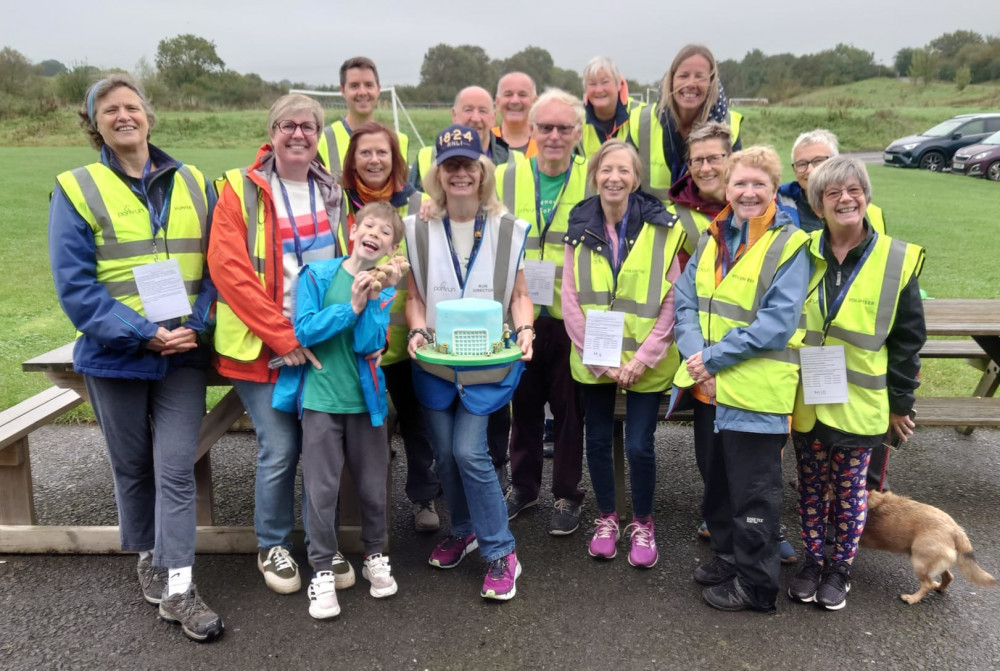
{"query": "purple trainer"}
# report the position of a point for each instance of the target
(606, 535)
(500, 578)
(643, 553)
(452, 550)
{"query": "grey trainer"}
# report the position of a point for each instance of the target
(565, 518)
(153, 581)
(199, 622)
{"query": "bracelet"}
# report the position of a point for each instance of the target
(423, 332)
(525, 327)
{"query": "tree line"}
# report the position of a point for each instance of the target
(188, 73)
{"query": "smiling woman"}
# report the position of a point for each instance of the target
(138, 213)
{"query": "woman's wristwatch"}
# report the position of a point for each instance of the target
(525, 327)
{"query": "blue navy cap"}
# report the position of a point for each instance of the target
(458, 140)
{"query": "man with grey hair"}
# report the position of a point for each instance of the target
(473, 108)
(810, 150)
(542, 190)
(516, 93)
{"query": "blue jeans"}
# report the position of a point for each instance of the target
(470, 484)
(151, 428)
(642, 411)
(279, 435)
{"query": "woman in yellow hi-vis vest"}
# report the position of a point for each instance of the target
(864, 328)
(738, 305)
(127, 241)
(620, 263)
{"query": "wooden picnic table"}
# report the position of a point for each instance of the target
(18, 531)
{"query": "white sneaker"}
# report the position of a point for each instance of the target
(343, 572)
(323, 596)
(378, 572)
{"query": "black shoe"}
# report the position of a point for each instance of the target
(836, 583)
(503, 477)
(550, 431)
(518, 501)
(715, 572)
(548, 450)
(728, 596)
(805, 583)
(566, 518)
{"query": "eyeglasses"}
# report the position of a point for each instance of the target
(713, 160)
(288, 127)
(801, 166)
(546, 128)
(460, 163)
(834, 195)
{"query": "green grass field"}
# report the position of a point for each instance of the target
(954, 218)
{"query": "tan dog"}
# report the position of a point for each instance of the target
(928, 535)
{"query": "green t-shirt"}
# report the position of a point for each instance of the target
(336, 388)
(548, 191)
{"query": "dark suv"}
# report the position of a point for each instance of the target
(933, 149)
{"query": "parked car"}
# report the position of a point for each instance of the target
(933, 149)
(979, 160)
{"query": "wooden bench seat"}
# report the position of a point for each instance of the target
(16, 500)
(938, 411)
(953, 349)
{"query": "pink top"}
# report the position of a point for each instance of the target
(652, 351)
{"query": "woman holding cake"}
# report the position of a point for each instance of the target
(470, 248)
(621, 257)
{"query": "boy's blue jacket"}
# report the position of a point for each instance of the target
(314, 324)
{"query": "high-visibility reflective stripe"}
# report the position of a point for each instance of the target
(688, 222)
(126, 250)
(551, 238)
(197, 195)
(250, 204)
(865, 381)
(92, 196)
(502, 262)
(413, 203)
(645, 129)
(769, 266)
(464, 377)
(735, 312)
(648, 310)
(422, 252)
(784, 356)
(510, 186)
(331, 149)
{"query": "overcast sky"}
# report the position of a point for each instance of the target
(307, 40)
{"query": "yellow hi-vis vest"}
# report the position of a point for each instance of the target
(122, 233)
(397, 313)
(767, 382)
(233, 338)
(646, 133)
(861, 327)
(642, 287)
(590, 143)
(516, 188)
(337, 136)
(694, 222)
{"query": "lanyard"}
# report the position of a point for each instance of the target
(157, 220)
(838, 301)
(477, 240)
(291, 217)
(727, 259)
(547, 221)
(622, 244)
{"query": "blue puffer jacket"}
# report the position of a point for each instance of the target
(314, 324)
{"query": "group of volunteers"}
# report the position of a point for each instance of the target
(635, 249)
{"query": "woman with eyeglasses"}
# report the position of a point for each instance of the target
(469, 248)
(809, 152)
(272, 218)
(738, 304)
(138, 213)
(690, 94)
(867, 310)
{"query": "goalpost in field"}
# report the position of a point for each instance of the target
(397, 106)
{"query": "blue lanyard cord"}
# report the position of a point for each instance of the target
(622, 244)
(476, 242)
(838, 300)
(547, 221)
(291, 218)
(157, 220)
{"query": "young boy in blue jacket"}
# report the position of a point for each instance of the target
(343, 317)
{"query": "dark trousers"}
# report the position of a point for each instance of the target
(742, 500)
(498, 435)
(878, 469)
(547, 379)
(422, 483)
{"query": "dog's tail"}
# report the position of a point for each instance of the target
(967, 562)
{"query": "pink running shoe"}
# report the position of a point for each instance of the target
(606, 535)
(452, 550)
(643, 553)
(500, 578)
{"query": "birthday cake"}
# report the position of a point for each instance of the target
(469, 327)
